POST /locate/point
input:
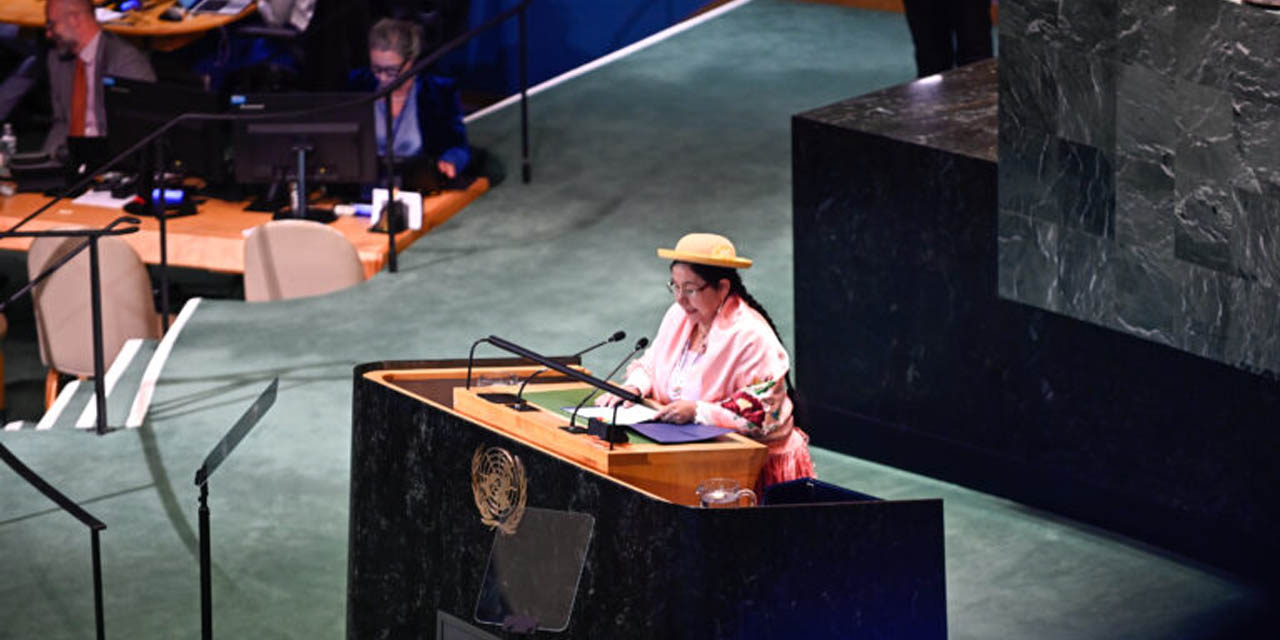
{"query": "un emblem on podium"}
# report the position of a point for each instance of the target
(498, 484)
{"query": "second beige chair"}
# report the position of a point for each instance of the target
(64, 324)
(298, 258)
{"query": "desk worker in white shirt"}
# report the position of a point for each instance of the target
(81, 55)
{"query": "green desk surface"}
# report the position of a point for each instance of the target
(557, 400)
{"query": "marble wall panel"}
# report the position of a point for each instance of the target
(1144, 34)
(1086, 276)
(1165, 189)
(1257, 128)
(1205, 31)
(1258, 348)
(1145, 203)
(1029, 174)
(1148, 294)
(1255, 65)
(1086, 99)
(1207, 214)
(1208, 297)
(1145, 101)
(1028, 88)
(1206, 146)
(1032, 20)
(1028, 260)
(1089, 26)
(1087, 189)
(1257, 239)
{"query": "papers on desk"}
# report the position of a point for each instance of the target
(639, 418)
(412, 201)
(626, 415)
(102, 199)
(667, 433)
(107, 15)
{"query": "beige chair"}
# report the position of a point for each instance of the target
(62, 305)
(298, 258)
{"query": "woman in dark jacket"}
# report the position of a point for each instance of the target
(428, 133)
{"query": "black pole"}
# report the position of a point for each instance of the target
(97, 584)
(206, 588)
(95, 295)
(392, 207)
(300, 206)
(158, 206)
(526, 169)
(76, 511)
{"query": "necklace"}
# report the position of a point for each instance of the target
(697, 340)
(680, 374)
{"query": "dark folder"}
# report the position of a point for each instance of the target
(667, 433)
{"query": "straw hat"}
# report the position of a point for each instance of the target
(706, 248)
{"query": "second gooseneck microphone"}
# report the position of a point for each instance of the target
(616, 337)
(640, 345)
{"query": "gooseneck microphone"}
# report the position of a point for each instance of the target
(573, 419)
(617, 335)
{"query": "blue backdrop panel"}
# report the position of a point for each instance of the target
(563, 34)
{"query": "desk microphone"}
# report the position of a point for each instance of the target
(573, 419)
(617, 335)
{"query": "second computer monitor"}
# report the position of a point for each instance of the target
(339, 142)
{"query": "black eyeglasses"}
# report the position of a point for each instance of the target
(687, 290)
(390, 72)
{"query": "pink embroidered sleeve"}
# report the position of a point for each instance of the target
(759, 406)
(755, 410)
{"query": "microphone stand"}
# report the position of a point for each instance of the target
(618, 335)
(220, 451)
(603, 385)
(610, 435)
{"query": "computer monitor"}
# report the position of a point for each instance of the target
(337, 144)
(137, 108)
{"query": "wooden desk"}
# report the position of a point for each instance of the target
(144, 23)
(213, 239)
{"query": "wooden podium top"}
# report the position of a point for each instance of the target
(213, 239)
(670, 471)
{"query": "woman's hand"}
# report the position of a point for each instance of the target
(678, 412)
(610, 400)
(447, 169)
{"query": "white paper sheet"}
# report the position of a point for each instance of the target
(102, 199)
(626, 415)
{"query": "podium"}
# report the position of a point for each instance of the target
(470, 519)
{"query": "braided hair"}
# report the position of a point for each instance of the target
(714, 275)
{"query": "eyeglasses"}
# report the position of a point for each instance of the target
(389, 72)
(687, 291)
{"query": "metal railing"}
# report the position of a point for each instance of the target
(67, 504)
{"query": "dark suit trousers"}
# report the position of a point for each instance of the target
(948, 33)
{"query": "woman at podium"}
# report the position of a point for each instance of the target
(717, 358)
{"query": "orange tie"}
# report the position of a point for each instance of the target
(79, 100)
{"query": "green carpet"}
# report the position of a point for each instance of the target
(690, 135)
